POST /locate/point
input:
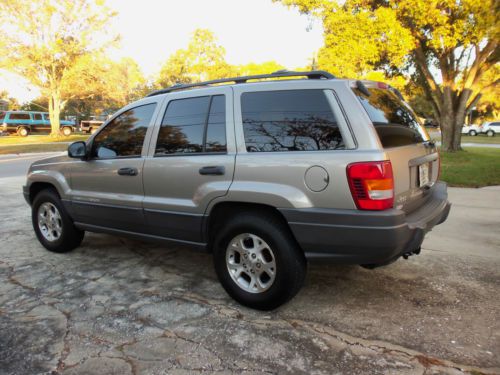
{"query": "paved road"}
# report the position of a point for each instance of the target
(17, 165)
(116, 306)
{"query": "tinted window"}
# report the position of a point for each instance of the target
(124, 136)
(2, 115)
(395, 122)
(184, 124)
(216, 127)
(37, 116)
(296, 120)
(19, 116)
(495, 124)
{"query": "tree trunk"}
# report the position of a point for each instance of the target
(453, 118)
(54, 113)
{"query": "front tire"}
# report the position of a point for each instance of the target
(472, 133)
(490, 133)
(257, 261)
(53, 226)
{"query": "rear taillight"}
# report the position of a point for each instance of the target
(372, 184)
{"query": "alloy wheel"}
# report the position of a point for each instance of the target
(251, 263)
(49, 221)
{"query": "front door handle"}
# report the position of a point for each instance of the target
(216, 170)
(127, 171)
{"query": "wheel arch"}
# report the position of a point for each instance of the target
(36, 187)
(222, 210)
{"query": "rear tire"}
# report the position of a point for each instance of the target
(23, 131)
(53, 226)
(262, 250)
(472, 133)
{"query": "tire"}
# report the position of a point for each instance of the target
(69, 236)
(66, 131)
(253, 230)
(472, 133)
(93, 130)
(23, 131)
(490, 133)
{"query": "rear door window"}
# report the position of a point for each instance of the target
(37, 116)
(193, 125)
(291, 120)
(19, 116)
(394, 120)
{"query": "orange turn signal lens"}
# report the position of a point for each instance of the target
(383, 184)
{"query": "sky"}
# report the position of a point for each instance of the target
(249, 30)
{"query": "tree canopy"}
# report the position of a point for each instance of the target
(447, 45)
(204, 59)
(47, 48)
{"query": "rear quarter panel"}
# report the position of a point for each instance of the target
(278, 178)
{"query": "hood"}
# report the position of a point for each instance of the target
(53, 159)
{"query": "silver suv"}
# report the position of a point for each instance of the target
(266, 175)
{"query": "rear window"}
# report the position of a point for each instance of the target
(394, 120)
(294, 120)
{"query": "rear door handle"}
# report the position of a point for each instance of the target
(216, 170)
(127, 171)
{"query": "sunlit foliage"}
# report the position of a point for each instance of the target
(447, 45)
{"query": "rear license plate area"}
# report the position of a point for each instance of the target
(423, 174)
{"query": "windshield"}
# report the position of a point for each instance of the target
(394, 120)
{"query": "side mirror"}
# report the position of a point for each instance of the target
(77, 150)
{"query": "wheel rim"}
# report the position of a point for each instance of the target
(23, 132)
(49, 221)
(66, 131)
(251, 263)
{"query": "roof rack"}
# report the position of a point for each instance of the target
(313, 74)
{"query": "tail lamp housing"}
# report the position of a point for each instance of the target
(371, 184)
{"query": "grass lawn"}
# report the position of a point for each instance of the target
(473, 167)
(37, 143)
(31, 139)
(480, 139)
(21, 149)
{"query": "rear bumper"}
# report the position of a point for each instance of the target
(366, 237)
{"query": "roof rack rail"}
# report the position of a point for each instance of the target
(313, 74)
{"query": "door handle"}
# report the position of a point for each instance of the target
(127, 171)
(216, 170)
